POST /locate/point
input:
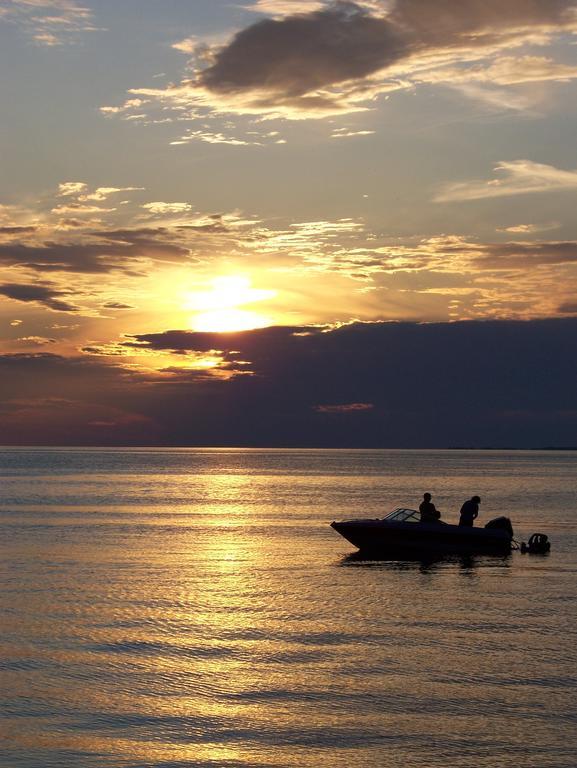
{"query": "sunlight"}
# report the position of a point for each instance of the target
(218, 310)
(229, 320)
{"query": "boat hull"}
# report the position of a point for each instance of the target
(388, 538)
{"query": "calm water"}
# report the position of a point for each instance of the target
(193, 608)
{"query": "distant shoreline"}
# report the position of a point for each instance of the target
(288, 447)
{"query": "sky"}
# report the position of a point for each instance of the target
(288, 222)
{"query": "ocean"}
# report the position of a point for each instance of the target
(171, 608)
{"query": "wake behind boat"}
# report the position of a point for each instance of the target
(402, 532)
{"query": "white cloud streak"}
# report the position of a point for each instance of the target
(161, 208)
(519, 177)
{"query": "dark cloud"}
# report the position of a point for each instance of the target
(153, 242)
(344, 408)
(526, 255)
(428, 384)
(236, 349)
(241, 343)
(56, 257)
(47, 399)
(444, 22)
(297, 55)
(16, 230)
(47, 295)
(71, 422)
(499, 383)
(568, 308)
(215, 222)
(117, 305)
(121, 249)
(44, 374)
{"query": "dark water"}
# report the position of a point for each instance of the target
(193, 608)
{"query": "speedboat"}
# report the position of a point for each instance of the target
(402, 533)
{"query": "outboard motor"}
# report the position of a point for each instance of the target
(539, 544)
(501, 523)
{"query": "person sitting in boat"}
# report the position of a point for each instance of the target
(429, 513)
(469, 512)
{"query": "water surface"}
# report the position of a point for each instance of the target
(173, 608)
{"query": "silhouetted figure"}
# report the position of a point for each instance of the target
(429, 513)
(469, 511)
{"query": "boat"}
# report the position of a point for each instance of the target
(402, 533)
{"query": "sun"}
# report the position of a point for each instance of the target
(229, 320)
(219, 310)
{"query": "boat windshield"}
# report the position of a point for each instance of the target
(403, 515)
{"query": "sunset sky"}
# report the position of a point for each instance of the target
(288, 222)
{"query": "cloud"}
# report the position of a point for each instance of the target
(57, 421)
(286, 7)
(344, 408)
(507, 70)
(120, 250)
(346, 133)
(188, 45)
(529, 229)
(297, 55)
(117, 305)
(314, 60)
(102, 193)
(235, 354)
(161, 208)
(12, 216)
(308, 239)
(44, 294)
(35, 341)
(521, 177)
(490, 383)
(445, 22)
(445, 277)
(80, 209)
(214, 137)
(69, 188)
(10, 232)
(66, 257)
(49, 22)
(526, 255)
(82, 194)
(461, 256)
(162, 251)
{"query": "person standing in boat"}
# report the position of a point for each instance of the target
(469, 512)
(429, 513)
